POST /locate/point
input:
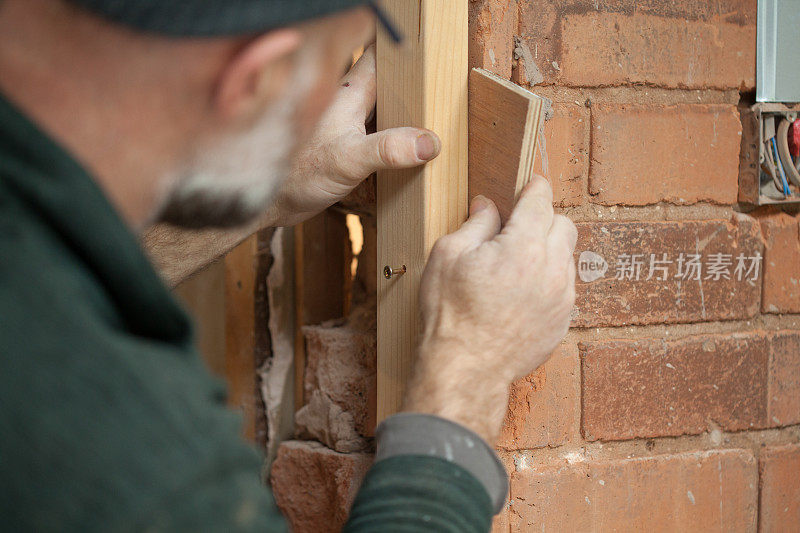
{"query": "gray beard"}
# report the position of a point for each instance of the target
(233, 182)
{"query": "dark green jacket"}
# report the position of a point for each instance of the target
(108, 419)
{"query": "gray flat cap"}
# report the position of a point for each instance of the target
(208, 18)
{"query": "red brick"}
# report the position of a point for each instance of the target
(543, 407)
(340, 363)
(683, 154)
(500, 522)
(742, 12)
(781, 264)
(538, 41)
(600, 49)
(700, 491)
(653, 387)
(609, 301)
(784, 379)
(681, 43)
(779, 504)
(492, 25)
(565, 149)
(315, 486)
(322, 420)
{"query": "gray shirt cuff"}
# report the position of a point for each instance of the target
(419, 434)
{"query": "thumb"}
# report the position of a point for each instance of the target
(397, 148)
(483, 223)
(359, 85)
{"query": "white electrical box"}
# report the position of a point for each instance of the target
(778, 56)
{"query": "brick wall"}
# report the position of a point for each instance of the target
(674, 402)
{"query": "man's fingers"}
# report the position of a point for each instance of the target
(483, 223)
(534, 210)
(561, 240)
(359, 86)
(396, 148)
(389, 149)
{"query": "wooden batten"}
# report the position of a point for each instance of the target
(421, 82)
(240, 365)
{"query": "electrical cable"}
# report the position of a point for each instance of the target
(786, 189)
(797, 164)
(785, 153)
(769, 168)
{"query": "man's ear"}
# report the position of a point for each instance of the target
(243, 85)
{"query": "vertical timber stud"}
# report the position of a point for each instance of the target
(240, 365)
(421, 82)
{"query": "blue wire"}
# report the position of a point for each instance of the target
(786, 190)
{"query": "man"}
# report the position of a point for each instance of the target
(120, 113)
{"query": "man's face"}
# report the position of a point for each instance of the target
(231, 180)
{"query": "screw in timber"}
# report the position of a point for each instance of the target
(389, 272)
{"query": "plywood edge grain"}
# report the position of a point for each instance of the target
(504, 121)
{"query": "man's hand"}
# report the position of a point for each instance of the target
(495, 304)
(332, 163)
(340, 154)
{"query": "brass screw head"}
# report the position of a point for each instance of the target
(389, 272)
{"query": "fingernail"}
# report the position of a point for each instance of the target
(478, 204)
(427, 147)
